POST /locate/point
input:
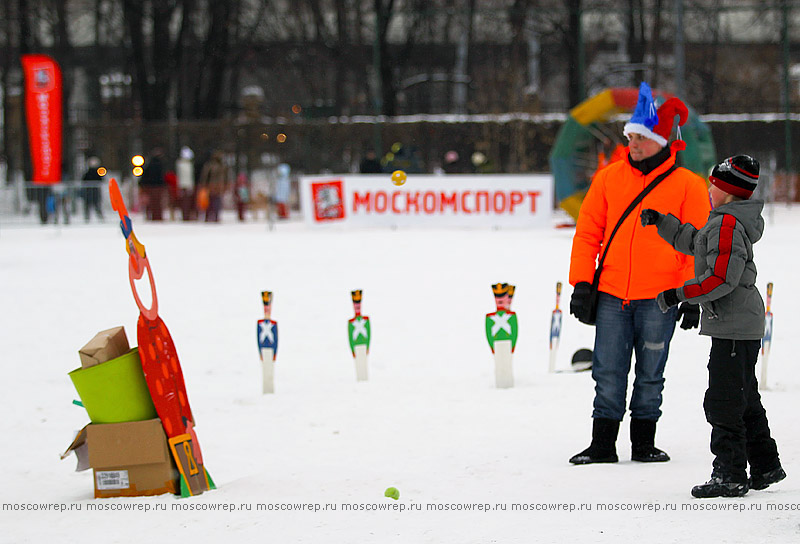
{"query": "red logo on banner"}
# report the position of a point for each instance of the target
(44, 78)
(43, 112)
(328, 198)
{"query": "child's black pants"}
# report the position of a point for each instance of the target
(739, 427)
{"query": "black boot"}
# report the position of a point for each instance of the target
(720, 486)
(603, 448)
(762, 480)
(643, 437)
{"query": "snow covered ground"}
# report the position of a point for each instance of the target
(429, 421)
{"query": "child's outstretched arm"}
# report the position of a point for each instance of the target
(726, 258)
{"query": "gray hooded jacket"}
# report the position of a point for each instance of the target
(725, 274)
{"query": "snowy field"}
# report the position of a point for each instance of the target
(429, 421)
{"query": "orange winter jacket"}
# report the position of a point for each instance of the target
(639, 264)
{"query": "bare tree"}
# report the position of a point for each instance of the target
(336, 40)
(20, 41)
(519, 16)
(151, 53)
(215, 59)
(637, 41)
(384, 9)
(655, 40)
(572, 37)
(158, 34)
(7, 49)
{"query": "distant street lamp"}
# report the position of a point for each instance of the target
(137, 161)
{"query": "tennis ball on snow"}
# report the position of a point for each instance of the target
(392, 493)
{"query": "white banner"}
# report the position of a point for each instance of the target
(461, 200)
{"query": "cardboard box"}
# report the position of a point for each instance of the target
(128, 459)
(105, 345)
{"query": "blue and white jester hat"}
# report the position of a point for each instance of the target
(645, 117)
(656, 124)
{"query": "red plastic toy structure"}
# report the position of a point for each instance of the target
(162, 369)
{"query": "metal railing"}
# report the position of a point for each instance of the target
(69, 201)
(81, 202)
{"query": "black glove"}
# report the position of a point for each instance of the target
(667, 299)
(580, 298)
(691, 315)
(650, 217)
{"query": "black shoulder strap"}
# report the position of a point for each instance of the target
(625, 214)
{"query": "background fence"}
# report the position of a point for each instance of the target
(507, 143)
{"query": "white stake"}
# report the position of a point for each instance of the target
(766, 342)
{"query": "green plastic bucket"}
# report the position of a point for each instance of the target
(115, 391)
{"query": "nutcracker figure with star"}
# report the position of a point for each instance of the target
(501, 332)
(267, 335)
(359, 333)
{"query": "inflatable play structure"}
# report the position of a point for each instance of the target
(589, 140)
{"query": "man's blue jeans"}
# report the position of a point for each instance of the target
(623, 328)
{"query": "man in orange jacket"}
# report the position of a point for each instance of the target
(639, 265)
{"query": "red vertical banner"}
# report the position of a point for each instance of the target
(43, 110)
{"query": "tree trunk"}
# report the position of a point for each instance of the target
(573, 42)
(655, 41)
(517, 15)
(636, 39)
(388, 94)
(215, 60)
(137, 55)
(461, 69)
(64, 58)
(25, 47)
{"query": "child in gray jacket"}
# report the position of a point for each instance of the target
(733, 316)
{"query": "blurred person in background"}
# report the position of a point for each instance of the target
(283, 187)
(241, 194)
(154, 186)
(370, 163)
(171, 180)
(453, 163)
(214, 178)
(91, 189)
(184, 171)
